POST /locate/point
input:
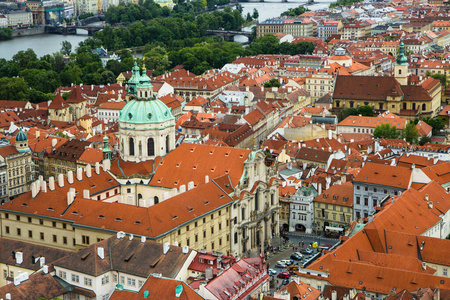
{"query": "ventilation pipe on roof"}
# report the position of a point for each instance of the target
(70, 177)
(19, 257)
(86, 194)
(97, 168)
(190, 185)
(185, 249)
(426, 198)
(206, 178)
(101, 252)
(45, 269)
(166, 247)
(54, 142)
(41, 262)
(61, 180)
(51, 183)
(330, 134)
(120, 235)
(79, 174)
(143, 239)
(430, 204)
(88, 171)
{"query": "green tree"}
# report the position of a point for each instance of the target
(424, 139)
(344, 113)
(25, 59)
(255, 14)
(248, 18)
(107, 77)
(386, 131)
(365, 110)
(294, 12)
(66, 48)
(437, 123)
(410, 133)
(14, 89)
(6, 33)
(272, 83)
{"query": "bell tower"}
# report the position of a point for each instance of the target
(401, 66)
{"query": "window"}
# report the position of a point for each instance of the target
(366, 201)
(196, 238)
(85, 239)
(19, 232)
(105, 280)
(204, 233)
(41, 222)
(30, 234)
(54, 224)
(235, 237)
(131, 146)
(55, 238)
(140, 283)
(5, 274)
(64, 225)
(122, 280)
(256, 201)
(42, 235)
(444, 271)
(7, 229)
(114, 277)
(75, 278)
(87, 281)
(65, 240)
(150, 147)
(167, 144)
(131, 281)
(187, 242)
(212, 230)
(29, 220)
(6, 216)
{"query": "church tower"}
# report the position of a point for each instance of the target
(106, 150)
(401, 66)
(21, 142)
(146, 124)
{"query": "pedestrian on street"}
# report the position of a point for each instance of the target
(303, 243)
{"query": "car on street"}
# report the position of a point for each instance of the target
(280, 264)
(284, 274)
(272, 272)
(307, 251)
(288, 262)
(296, 256)
(285, 281)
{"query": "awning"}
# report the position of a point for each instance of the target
(334, 228)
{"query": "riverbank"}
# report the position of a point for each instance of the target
(28, 31)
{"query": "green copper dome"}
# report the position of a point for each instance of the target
(21, 136)
(402, 59)
(145, 111)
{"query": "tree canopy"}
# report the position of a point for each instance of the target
(386, 131)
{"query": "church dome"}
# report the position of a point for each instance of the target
(21, 136)
(145, 111)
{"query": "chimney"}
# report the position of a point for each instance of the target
(319, 188)
(54, 142)
(97, 168)
(69, 197)
(19, 257)
(45, 269)
(333, 295)
(143, 239)
(86, 194)
(79, 174)
(70, 177)
(51, 183)
(426, 197)
(131, 237)
(101, 252)
(106, 165)
(330, 134)
(33, 190)
(430, 205)
(44, 186)
(166, 247)
(88, 171)
(190, 185)
(61, 180)
(206, 178)
(182, 189)
(41, 262)
(424, 266)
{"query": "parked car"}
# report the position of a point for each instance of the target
(285, 281)
(288, 262)
(272, 272)
(296, 256)
(280, 264)
(325, 246)
(284, 274)
(308, 251)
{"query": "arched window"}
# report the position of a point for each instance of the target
(167, 144)
(139, 196)
(352, 103)
(381, 105)
(424, 107)
(131, 141)
(150, 147)
(156, 199)
(337, 103)
(399, 71)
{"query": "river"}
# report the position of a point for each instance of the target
(49, 43)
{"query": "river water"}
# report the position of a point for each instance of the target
(49, 43)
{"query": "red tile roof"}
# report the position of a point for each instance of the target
(384, 175)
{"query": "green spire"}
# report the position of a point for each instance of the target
(134, 79)
(401, 58)
(106, 151)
